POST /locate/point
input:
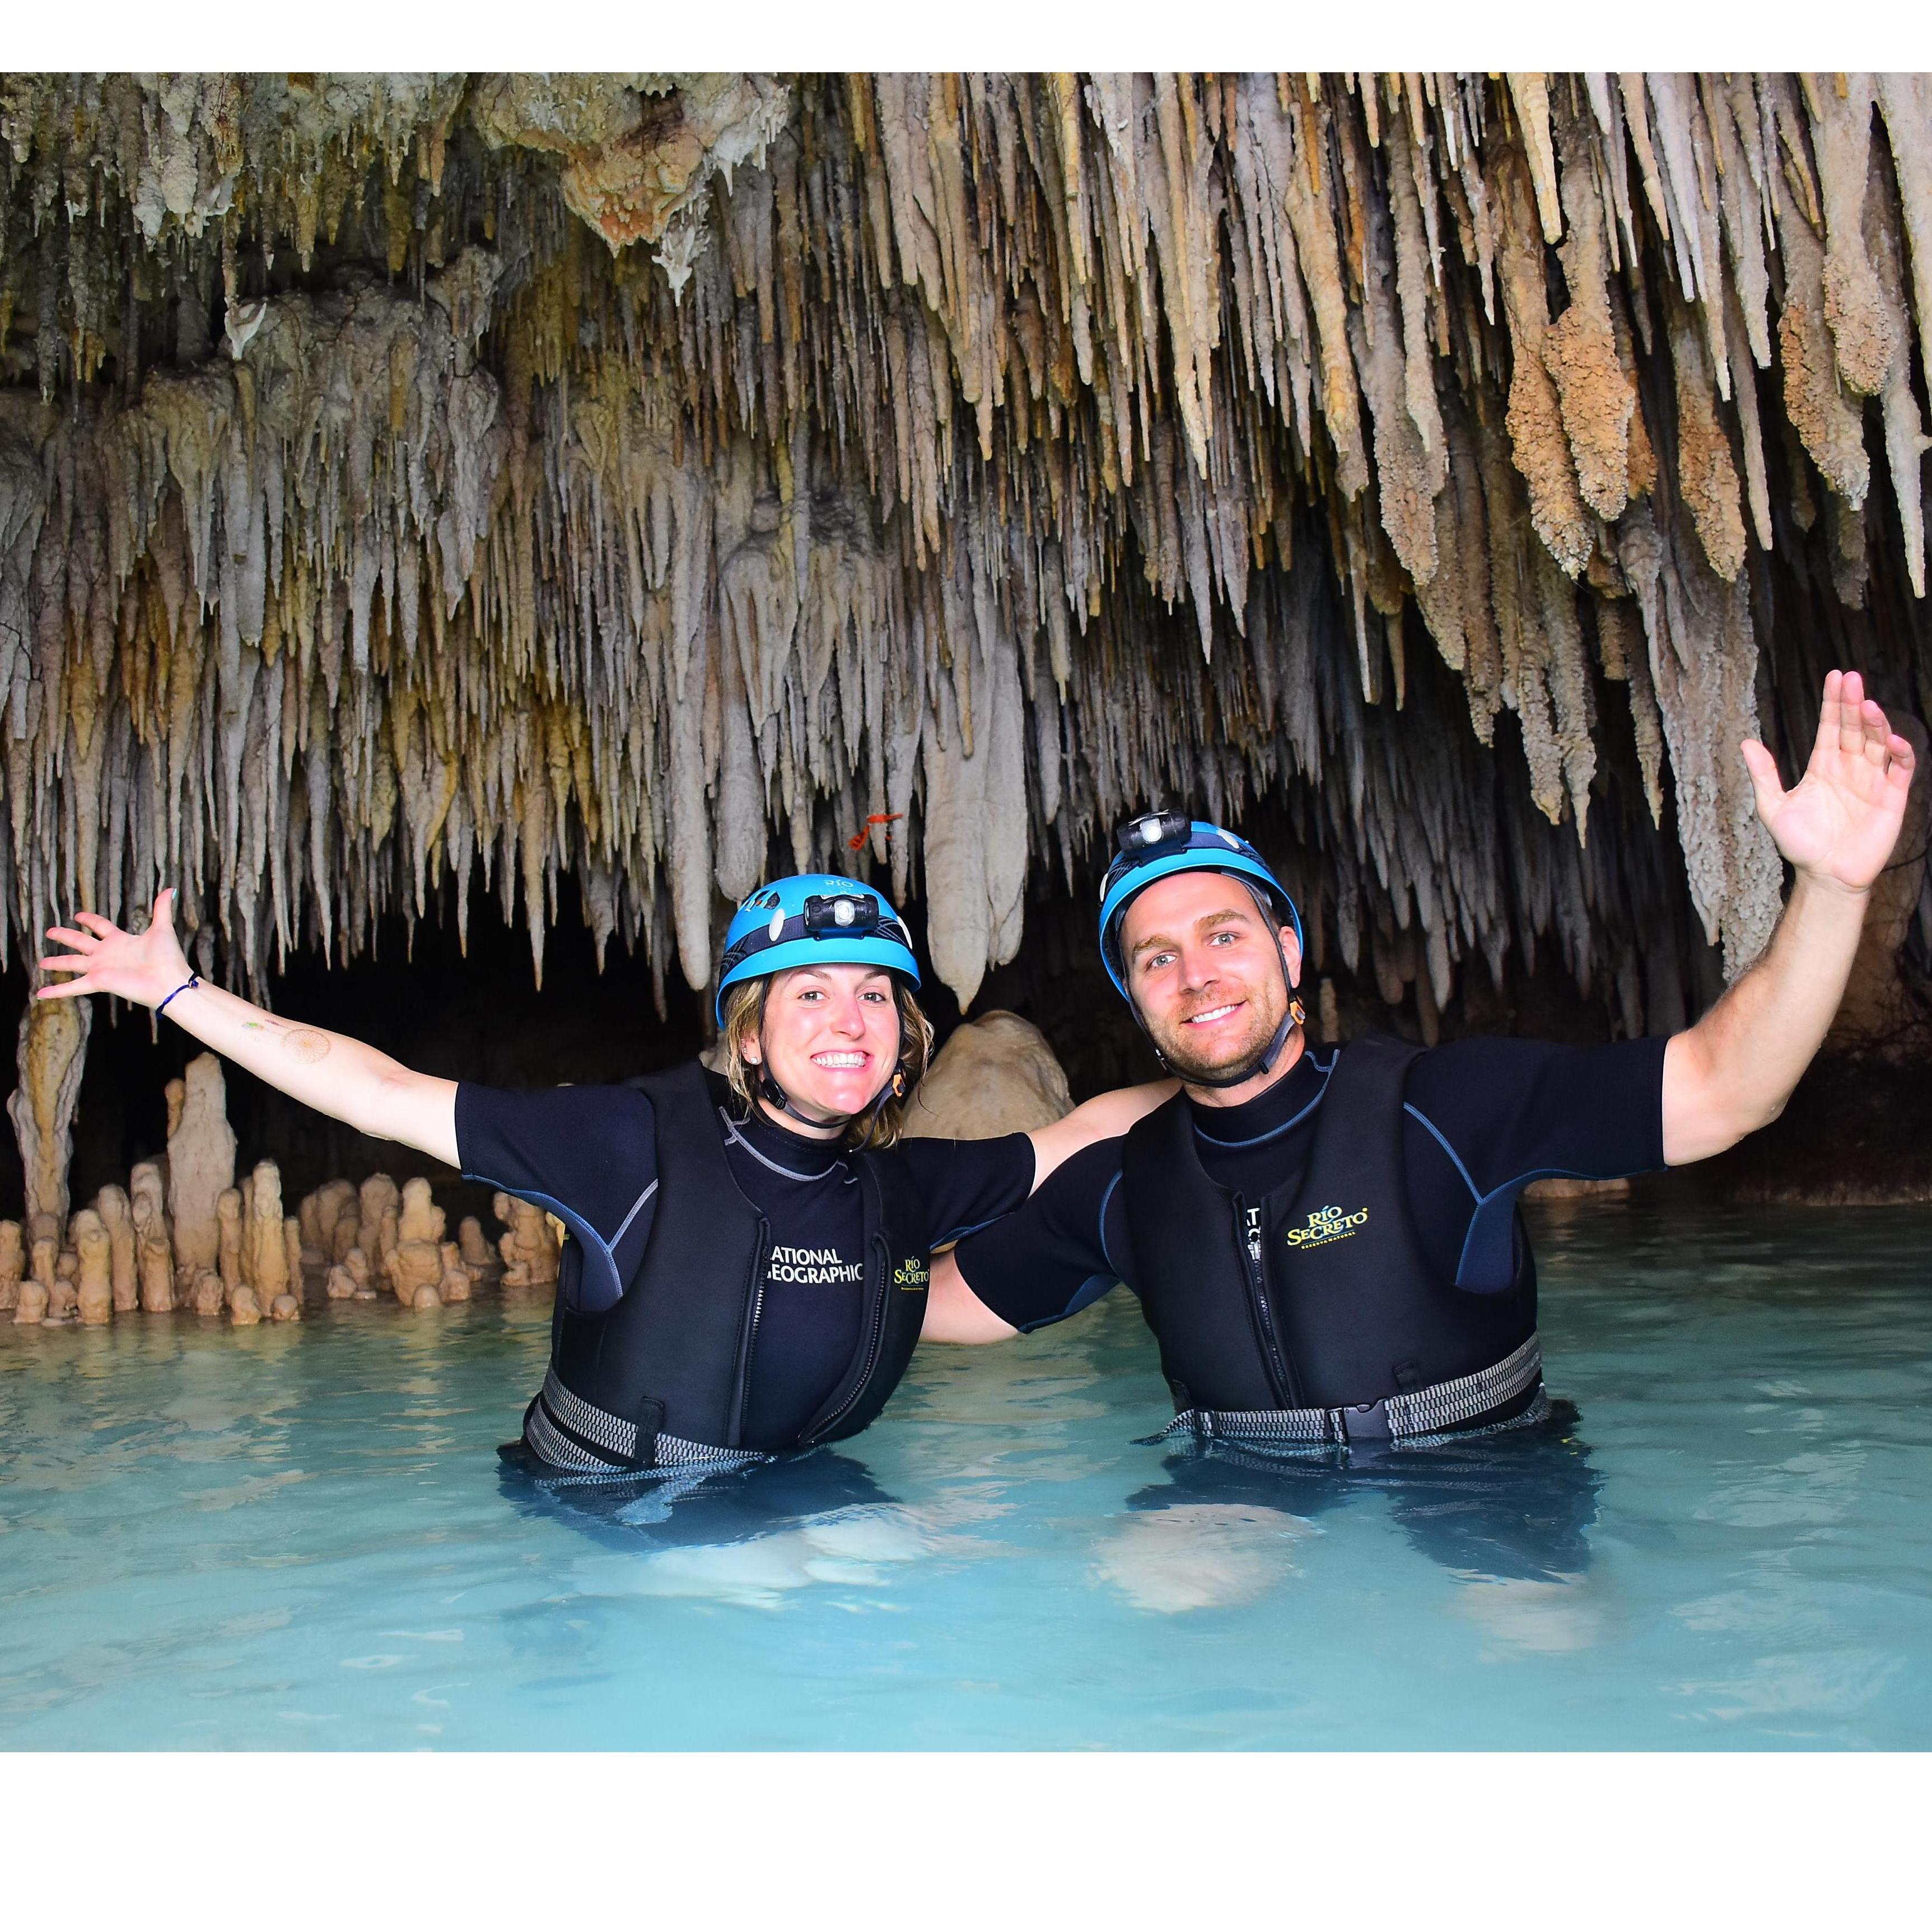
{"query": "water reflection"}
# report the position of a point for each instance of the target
(1504, 1512)
(748, 1536)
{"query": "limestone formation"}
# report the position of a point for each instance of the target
(340, 1285)
(228, 1239)
(355, 1265)
(995, 1075)
(296, 1258)
(117, 1217)
(52, 1053)
(206, 1295)
(30, 1310)
(153, 1238)
(13, 1264)
(479, 1257)
(93, 1282)
(377, 1199)
(412, 1266)
(455, 1285)
(244, 1310)
(406, 481)
(419, 1218)
(201, 1170)
(530, 1250)
(265, 1253)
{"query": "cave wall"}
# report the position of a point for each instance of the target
(413, 486)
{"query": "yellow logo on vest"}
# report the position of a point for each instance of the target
(913, 1275)
(1326, 1224)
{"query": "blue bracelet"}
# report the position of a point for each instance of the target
(193, 979)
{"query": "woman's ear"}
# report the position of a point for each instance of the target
(751, 1053)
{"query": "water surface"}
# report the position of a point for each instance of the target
(293, 1537)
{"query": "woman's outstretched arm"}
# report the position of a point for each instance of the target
(327, 1071)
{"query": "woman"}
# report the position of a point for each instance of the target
(747, 1263)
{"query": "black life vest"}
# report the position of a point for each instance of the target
(1344, 1308)
(672, 1357)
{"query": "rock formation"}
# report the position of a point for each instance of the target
(94, 1285)
(201, 1169)
(529, 1249)
(53, 1055)
(117, 1217)
(995, 1075)
(657, 478)
(13, 1264)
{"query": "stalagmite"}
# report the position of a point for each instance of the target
(419, 1219)
(207, 1295)
(295, 1257)
(265, 1264)
(30, 1309)
(477, 1255)
(377, 1201)
(996, 1075)
(454, 1284)
(154, 1239)
(228, 1247)
(94, 1286)
(410, 483)
(117, 1217)
(244, 1310)
(528, 1251)
(412, 1266)
(340, 1285)
(201, 1170)
(53, 1053)
(13, 1264)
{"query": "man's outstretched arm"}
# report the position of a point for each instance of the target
(1732, 1073)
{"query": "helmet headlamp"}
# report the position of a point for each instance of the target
(841, 915)
(1154, 832)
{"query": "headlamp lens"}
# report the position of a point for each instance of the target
(1152, 831)
(855, 915)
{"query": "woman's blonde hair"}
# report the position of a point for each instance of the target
(878, 1126)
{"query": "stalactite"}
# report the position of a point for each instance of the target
(414, 483)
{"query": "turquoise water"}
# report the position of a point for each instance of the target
(282, 1538)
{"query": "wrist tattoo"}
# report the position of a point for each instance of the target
(307, 1044)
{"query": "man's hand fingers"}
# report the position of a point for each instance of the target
(1904, 762)
(1828, 713)
(1763, 769)
(1851, 714)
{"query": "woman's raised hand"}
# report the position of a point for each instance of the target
(143, 967)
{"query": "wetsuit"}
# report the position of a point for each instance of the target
(1471, 1124)
(804, 1322)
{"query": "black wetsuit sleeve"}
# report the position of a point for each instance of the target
(1064, 1250)
(1485, 1117)
(587, 1154)
(965, 1184)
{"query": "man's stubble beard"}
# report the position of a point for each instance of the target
(1175, 1042)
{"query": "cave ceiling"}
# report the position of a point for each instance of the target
(411, 481)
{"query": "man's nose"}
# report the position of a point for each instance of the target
(1197, 967)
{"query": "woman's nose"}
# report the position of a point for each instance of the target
(848, 1018)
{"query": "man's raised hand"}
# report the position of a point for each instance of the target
(1840, 821)
(143, 967)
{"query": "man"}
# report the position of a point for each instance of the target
(1328, 1249)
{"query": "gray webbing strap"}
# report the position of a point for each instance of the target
(1429, 1412)
(558, 1409)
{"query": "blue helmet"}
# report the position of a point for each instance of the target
(1158, 843)
(814, 919)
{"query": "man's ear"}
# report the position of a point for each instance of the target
(1291, 951)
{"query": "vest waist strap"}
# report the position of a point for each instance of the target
(1443, 1408)
(570, 1433)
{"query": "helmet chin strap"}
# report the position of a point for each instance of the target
(770, 1090)
(1263, 1062)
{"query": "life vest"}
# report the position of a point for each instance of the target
(1324, 1322)
(658, 1380)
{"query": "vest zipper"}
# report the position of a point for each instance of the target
(875, 1333)
(1281, 1378)
(755, 1295)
